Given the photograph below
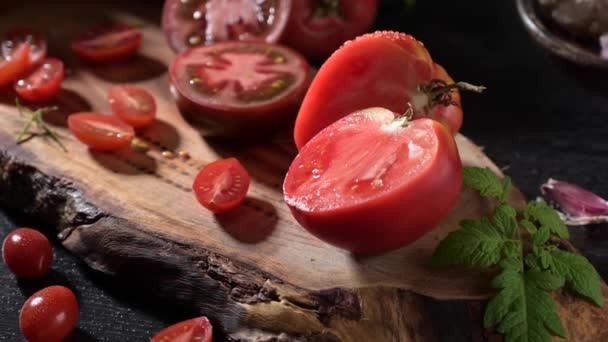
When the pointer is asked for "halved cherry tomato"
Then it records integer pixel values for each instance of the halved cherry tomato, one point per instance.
(14, 61)
(239, 84)
(42, 83)
(222, 185)
(193, 330)
(108, 43)
(27, 253)
(189, 23)
(49, 315)
(36, 39)
(133, 105)
(353, 78)
(100, 132)
(371, 183)
(318, 27)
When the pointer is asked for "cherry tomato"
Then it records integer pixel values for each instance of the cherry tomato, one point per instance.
(318, 27)
(371, 183)
(193, 330)
(42, 83)
(240, 84)
(353, 78)
(189, 23)
(27, 253)
(108, 43)
(49, 315)
(100, 132)
(36, 39)
(222, 185)
(133, 105)
(14, 61)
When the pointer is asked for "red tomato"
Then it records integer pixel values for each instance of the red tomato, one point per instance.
(222, 185)
(49, 315)
(108, 43)
(42, 83)
(133, 105)
(238, 84)
(189, 23)
(14, 61)
(318, 27)
(193, 330)
(36, 39)
(353, 79)
(369, 183)
(100, 132)
(27, 253)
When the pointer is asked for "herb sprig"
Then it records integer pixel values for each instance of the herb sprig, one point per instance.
(36, 117)
(524, 248)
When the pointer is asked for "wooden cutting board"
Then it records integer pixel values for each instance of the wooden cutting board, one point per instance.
(255, 272)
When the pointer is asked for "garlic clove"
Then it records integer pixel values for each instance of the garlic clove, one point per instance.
(579, 206)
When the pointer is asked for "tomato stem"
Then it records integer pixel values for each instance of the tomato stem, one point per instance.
(439, 92)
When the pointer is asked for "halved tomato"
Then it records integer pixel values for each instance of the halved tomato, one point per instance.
(36, 39)
(100, 132)
(193, 330)
(14, 61)
(239, 84)
(42, 83)
(108, 43)
(372, 182)
(133, 105)
(222, 185)
(189, 23)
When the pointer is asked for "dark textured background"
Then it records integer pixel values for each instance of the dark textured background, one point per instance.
(540, 118)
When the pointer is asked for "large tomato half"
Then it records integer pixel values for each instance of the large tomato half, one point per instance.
(371, 183)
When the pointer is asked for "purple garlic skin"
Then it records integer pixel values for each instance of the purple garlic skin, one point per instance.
(579, 206)
(581, 17)
(604, 45)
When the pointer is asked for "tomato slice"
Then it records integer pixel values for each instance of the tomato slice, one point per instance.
(27, 253)
(238, 82)
(189, 23)
(318, 27)
(49, 315)
(36, 39)
(369, 183)
(42, 83)
(133, 105)
(100, 132)
(108, 43)
(14, 61)
(193, 330)
(222, 185)
(353, 79)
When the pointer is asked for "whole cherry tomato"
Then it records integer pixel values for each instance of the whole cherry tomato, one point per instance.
(49, 315)
(193, 330)
(222, 185)
(27, 253)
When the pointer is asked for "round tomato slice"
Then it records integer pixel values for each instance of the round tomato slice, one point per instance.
(42, 83)
(133, 105)
(222, 185)
(36, 39)
(239, 83)
(100, 132)
(353, 79)
(193, 330)
(318, 27)
(14, 61)
(371, 183)
(108, 43)
(189, 23)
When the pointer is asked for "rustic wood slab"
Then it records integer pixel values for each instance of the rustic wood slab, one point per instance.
(256, 272)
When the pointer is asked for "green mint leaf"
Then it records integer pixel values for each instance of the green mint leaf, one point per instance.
(483, 180)
(546, 216)
(529, 226)
(542, 235)
(504, 220)
(506, 185)
(581, 277)
(476, 245)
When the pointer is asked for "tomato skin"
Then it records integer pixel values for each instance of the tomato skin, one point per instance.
(42, 83)
(11, 69)
(27, 253)
(36, 39)
(222, 186)
(49, 315)
(100, 132)
(193, 330)
(395, 216)
(133, 105)
(108, 43)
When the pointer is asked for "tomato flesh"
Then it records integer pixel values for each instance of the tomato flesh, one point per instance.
(42, 83)
(353, 79)
(27, 253)
(35, 39)
(49, 315)
(13, 64)
(368, 184)
(100, 132)
(318, 27)
(193, 330)
(108, 43)
(222, 185)
(133, 105)
(190, 23)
